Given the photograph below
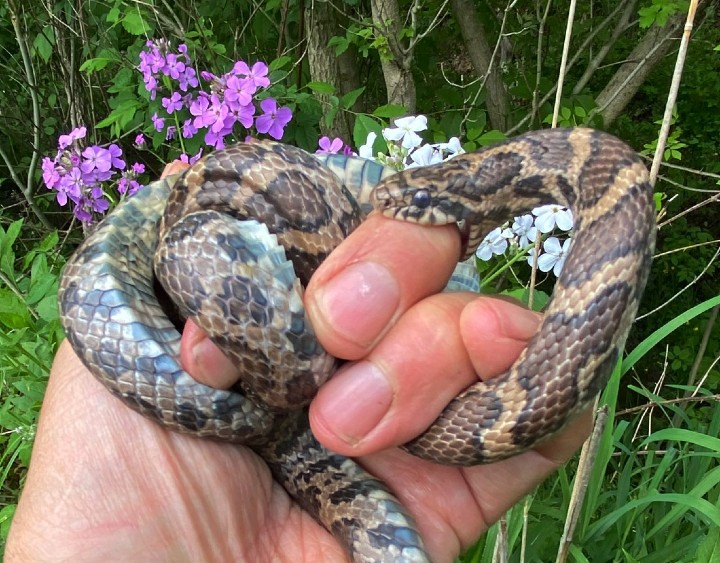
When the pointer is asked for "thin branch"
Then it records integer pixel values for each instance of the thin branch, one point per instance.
(703, 345)
(684, 248)
(28, 189)
(597, 60)
(695, 399)
(563, 62)
(582, 478)
(538, 63)
(711, 199)
(688, 286)
(672, 95)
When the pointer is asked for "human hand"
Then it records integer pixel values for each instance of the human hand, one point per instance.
(106, 483)
(414, 350)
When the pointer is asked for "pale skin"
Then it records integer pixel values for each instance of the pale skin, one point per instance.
(106, 484)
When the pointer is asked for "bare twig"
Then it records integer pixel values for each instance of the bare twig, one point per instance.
(28, 188)
(582, 478)
(672, 95)
(690, 209)
(563, 62)
(692, 399)
(688, 286)
(538, 62)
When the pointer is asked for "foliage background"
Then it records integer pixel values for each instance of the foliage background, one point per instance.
(479, 70)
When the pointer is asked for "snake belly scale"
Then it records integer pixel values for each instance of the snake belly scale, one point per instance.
(255, 220)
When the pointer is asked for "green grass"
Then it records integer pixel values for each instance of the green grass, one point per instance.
(29, 336)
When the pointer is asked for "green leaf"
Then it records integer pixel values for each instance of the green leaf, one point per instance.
(364, 125)
(43, 43)
(349, 99)
(104, 58)
(708, 550)
(120, 116)
(113, 15)
(134, 23)
(684, 435)
(642, 348)
(491, 137)
(7, 255)
(279, 63)
(340, 43)
(390, 111)
(321, 87)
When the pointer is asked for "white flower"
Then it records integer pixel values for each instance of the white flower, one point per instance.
(550, 215)
(366, 151)
(496, 242)
(554, 256)
(406, 128)
(452, 147)
(525, 230)
(424, 156)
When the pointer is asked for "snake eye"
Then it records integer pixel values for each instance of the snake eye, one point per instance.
(421, 199)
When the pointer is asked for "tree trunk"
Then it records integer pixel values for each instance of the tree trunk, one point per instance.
(642, 60)
(321, 23)
(480, 53)
(396, 68)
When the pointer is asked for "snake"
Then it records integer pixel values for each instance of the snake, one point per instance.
(232, 242)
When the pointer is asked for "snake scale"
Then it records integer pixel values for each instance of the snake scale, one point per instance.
(254, 221)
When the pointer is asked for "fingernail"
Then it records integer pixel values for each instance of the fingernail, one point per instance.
(360, 301)
(360, 397)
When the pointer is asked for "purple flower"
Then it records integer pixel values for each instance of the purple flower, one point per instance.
(223, 118)
(245, 115)
(140, 140)
(173, 103)
(239, 91)
(188, 129)
(65, 141)
(191, 160)
(214, 139)
(51, 175)
(188, 79)
(115, 155)
(96, 158)
(200, 108)
(80, 212)
(329, 147)
(128, 186)
(123, 185)
(158, 122)
(173, 67)
(274, 120)
(70, 186)
(98, 201)
(257, 75)
(138, 168)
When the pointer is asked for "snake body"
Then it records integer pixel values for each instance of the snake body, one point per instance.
(258, 218)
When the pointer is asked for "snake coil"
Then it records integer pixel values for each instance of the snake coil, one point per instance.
(237, 236)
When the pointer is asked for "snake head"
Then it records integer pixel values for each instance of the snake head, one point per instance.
(407, 202)
(414, 200)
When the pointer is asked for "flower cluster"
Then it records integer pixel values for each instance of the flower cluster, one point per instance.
(406, 150)
(522, 235)
(76, 175)
(333, 146)
(229, 101)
